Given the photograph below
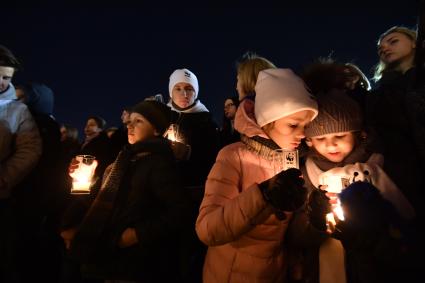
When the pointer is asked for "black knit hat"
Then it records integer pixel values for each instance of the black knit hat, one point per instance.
(157, 113)
(337, 113)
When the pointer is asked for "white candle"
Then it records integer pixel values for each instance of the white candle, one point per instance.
(333, 183)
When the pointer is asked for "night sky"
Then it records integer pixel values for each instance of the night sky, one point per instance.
(99, 58)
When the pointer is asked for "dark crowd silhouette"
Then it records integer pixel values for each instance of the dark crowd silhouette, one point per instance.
(315, 176)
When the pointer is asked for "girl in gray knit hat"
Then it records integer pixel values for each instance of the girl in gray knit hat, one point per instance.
(337, 158)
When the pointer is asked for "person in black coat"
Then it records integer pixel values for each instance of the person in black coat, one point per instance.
(396, 117)
(198, 132)
(195, 125)
(396, 113)
(131, 231)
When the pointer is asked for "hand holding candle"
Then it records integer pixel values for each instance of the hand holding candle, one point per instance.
(334, 184)
(285, 191)
(318, 208)
(173, 133)
(82, 170)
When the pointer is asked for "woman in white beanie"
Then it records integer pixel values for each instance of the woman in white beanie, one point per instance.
(198, 130)
(246, 208)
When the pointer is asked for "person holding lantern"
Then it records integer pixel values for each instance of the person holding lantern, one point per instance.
(131, 230)
(247, 205)
(338, 156)
(195, 125)
(195, 141)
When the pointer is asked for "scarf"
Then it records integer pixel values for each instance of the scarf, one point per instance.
(9, 93)
(316, 164)
(359, 154)
(196, 107)
(261, 146)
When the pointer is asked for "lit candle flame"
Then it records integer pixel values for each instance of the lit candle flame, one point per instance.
(81, 178)
(173, 133)
(330, 218)
(172, 136)
(337, 210)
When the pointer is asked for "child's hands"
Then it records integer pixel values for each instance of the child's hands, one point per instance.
(318, 207)
(73, 165)
(333, 197)
(285, 191)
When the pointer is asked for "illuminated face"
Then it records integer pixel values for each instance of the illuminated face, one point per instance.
(183, 94)
(396, 47)
(287, 132)
(6, 74)
(91, 128)
(139, 129)
(229, 109)
(334, 147)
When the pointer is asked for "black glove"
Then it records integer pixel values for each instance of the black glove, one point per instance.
(285, 191)
(318, 207)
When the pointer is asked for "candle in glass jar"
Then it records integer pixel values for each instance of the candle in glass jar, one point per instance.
(173, 132)
(81, 177)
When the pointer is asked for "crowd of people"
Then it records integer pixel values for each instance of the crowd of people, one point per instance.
(175, 197)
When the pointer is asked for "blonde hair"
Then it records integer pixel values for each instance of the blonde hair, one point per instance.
(381, 67)
(248, 69)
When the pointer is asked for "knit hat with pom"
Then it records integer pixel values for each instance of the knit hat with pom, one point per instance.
(337, 113)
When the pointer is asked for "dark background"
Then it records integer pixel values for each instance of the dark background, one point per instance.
(100, 57)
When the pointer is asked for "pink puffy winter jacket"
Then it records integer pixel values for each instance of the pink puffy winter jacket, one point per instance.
(244, 237)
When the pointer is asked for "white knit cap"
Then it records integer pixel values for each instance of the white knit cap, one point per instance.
(183, 76)
(280, 93)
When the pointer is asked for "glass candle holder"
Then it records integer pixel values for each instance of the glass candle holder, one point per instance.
(82, 176)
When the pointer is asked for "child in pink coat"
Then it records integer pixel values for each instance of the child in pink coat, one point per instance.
(246, 208)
